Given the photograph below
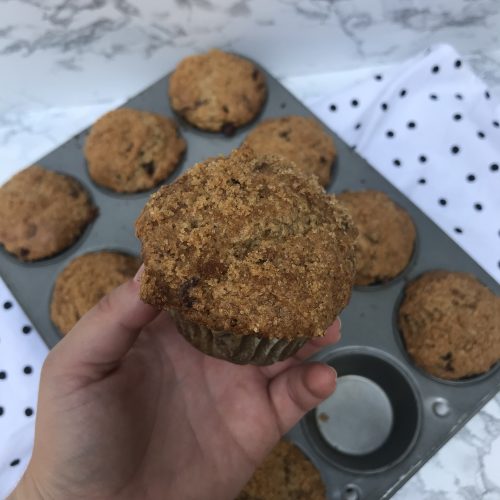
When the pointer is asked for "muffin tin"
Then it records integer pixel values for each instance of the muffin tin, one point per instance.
(424, 411)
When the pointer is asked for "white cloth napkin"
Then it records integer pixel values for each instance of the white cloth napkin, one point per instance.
(431, 127)
(406, 123)
(22, 353)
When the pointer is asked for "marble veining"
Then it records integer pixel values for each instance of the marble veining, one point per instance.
(63, 63)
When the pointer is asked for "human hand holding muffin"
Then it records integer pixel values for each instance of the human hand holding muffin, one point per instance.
(129, 409)
(158, 412)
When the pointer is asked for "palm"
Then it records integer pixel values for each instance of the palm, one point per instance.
(165, 419)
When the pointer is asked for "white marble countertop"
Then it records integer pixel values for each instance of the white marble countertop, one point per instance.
(64, 63)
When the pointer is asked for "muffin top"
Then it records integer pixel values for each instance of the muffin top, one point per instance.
(248, 245)
(386, 236)
(217, 91)
(285, 474)
(129, 150)
(42, 213)
(450, 324)
(299, 139)
(84, 281)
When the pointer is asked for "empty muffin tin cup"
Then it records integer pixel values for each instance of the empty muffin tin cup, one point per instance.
(373, 418)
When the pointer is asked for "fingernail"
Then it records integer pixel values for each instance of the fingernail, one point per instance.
(334, 371)
(340, 323)
(138, 274)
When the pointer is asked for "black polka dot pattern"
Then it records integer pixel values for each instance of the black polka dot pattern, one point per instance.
(22, 353)
(432, 132)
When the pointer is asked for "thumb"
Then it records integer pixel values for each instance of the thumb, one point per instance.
(105, 333)
(298, 390)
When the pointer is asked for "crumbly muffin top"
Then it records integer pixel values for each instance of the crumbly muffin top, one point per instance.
(386, 236)
(42, 213)
(248, 245)
(84, 281)
(217, 91)
(129, 150)
(299, 139)
(450, 323)
(285, 474)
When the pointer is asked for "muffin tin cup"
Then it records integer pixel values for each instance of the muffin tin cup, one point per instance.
(389, 405)
(368, 326)
(241, 349)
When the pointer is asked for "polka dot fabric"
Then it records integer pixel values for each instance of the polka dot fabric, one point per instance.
(22, 353)
(431, 127)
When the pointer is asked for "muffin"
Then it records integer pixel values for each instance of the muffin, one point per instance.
(84, 281)
(450, 324)
(285, 474)
(249, 255)
(386, 237)
(217, 91)
(129, 150)
(299, 139)
(42, 213)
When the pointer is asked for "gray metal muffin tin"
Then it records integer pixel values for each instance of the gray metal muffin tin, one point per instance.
(426, 411)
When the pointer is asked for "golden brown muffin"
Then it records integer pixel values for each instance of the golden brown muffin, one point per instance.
(84, 281)
(249, 254)
(42, 213)
(386, 236)
(129, 150)
(217, 91)
(285, 474)
(300, 139)
(450, 324)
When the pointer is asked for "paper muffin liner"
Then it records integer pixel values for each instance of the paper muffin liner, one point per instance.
(237, 348)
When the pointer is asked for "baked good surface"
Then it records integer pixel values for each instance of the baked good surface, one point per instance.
(450, 324)
(299, 139)
(386, 237)
(128, 150)
(217, 91)
(285, 474)
(248, 245)
(84, 281)
(42, 213)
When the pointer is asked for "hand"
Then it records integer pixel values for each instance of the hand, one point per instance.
(129, 409)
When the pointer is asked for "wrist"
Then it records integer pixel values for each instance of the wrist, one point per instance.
(26, 489)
